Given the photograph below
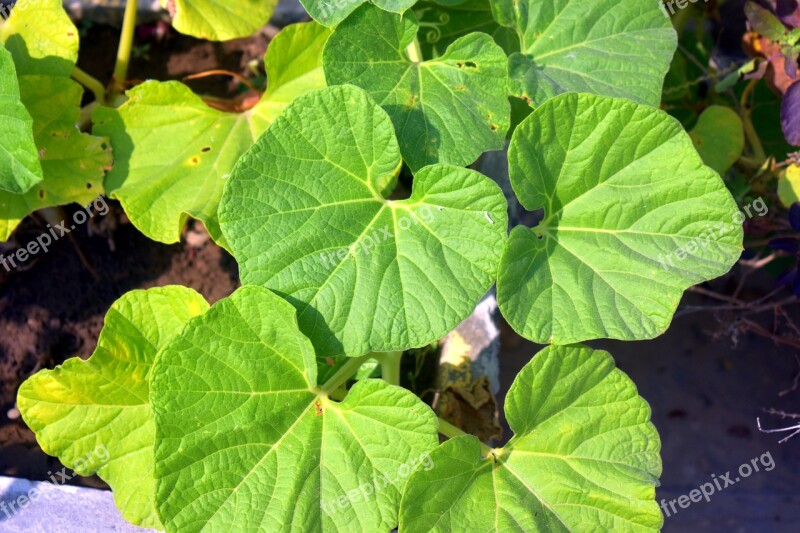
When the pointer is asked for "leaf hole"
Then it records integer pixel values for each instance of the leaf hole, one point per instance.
(206, 149)
(466, 64)
(41, 193)
(88, 185)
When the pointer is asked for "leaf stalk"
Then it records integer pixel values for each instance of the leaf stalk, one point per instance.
(91, 83)
(343, 374)
(125, 47)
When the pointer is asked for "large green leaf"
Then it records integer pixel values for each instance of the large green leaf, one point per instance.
(219, 20)
(95, 415)
(632, 219)
(445, 110)
(19, 159)
(584, 457)
(332, 12)
(44, 45)
(246, 441)
(173, 152)
(305, 213)
(610, 47)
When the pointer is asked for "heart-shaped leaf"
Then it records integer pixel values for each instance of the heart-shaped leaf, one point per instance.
(332, 12)
(446, 110)
(719, 137)
(44, 45)
(305, 213)
(246, 441)
(173, 152)
(632, 218)
(95, 415)
(19, 159)
(584, 454)
(219, 20)
(609, 47)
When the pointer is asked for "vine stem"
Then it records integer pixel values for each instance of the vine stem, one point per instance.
(390, 366)
(125, 47)
(450, 431)
(341, 376)
(91, 83)
(749, 129)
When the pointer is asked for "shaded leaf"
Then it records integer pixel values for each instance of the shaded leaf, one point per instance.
(44, 45)
(719, 137)
(446, 110)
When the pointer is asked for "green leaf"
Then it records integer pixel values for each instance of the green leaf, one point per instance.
(95, 415)
(44, 45)
(446, 110)
(719, 137)
(332, 12)
(789, 185)
(305, 213)
(609, 47)
(19, 159)
(584, 457)
(632, 219)
(441, 25)
(219, 20)
(763, 21)
(173, 152)
(245, 439)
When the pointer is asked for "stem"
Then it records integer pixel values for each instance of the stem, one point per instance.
(90, 83)
(749, 129)
(390, 366)
(125, 47)
(343, 374)
(414, 52)
(450, 431)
